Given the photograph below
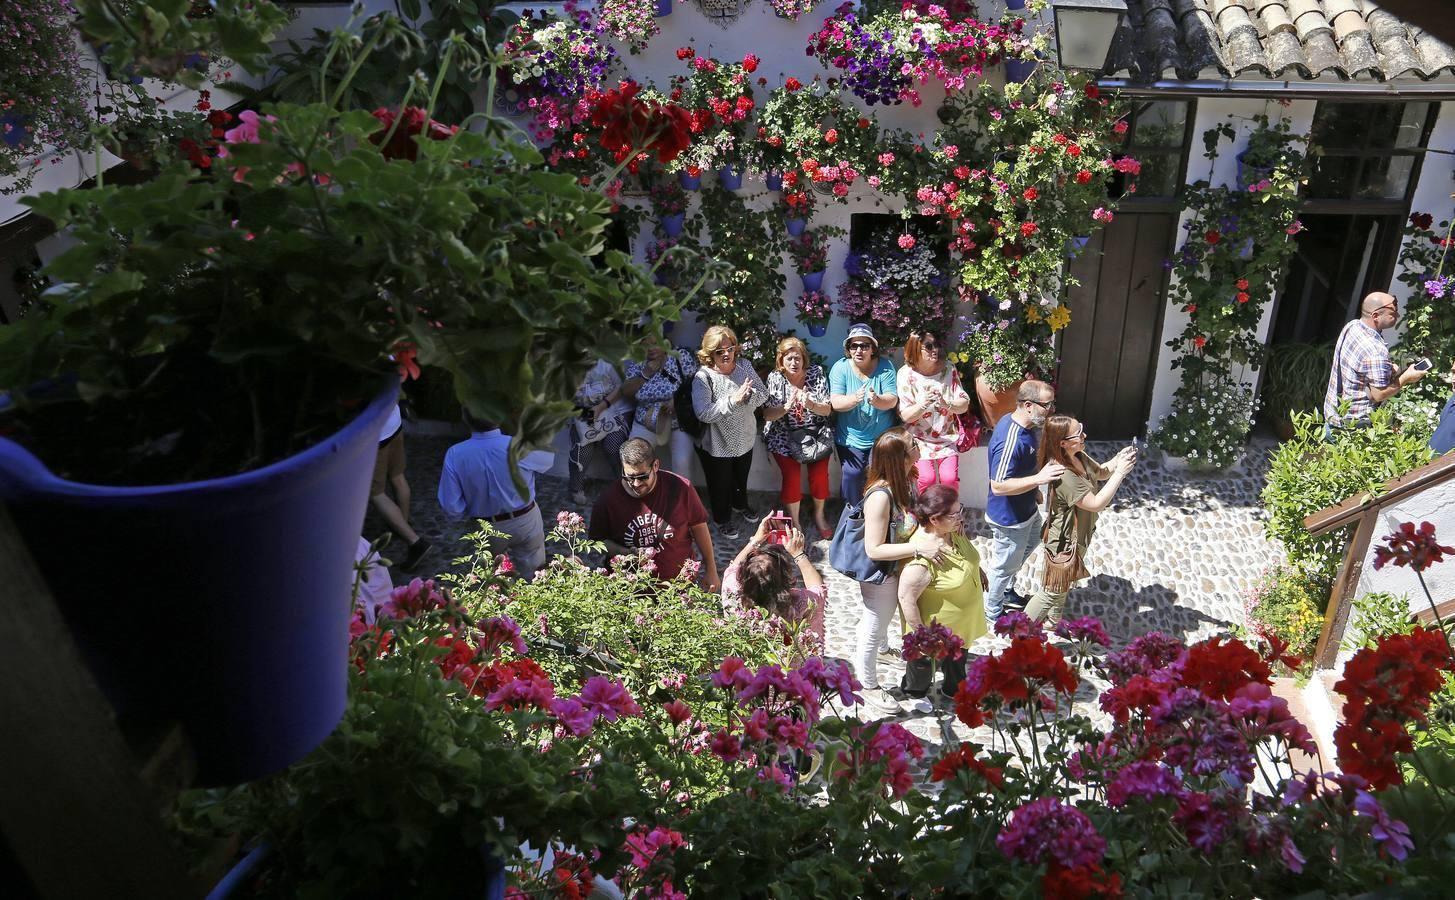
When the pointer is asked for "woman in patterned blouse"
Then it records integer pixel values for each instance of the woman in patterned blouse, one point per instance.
(804, 434)
(930, 399)
(652, 384)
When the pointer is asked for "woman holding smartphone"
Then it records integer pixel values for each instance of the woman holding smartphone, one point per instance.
(725, 391)
(766, 574)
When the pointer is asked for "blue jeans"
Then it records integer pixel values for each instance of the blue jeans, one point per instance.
(852, 466)
(1010, 546)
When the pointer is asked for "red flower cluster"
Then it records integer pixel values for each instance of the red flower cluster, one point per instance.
(1079, 883)
(1422, 220)
(1020, 672)
(1219, 669)
(962, 759)
(1411, 546)
(630, 126)
(413, 120)
(1385, 687)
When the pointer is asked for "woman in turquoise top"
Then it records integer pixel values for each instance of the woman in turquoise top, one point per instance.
(863, 395)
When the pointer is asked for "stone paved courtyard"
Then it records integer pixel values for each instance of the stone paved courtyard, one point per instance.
(1173, 554)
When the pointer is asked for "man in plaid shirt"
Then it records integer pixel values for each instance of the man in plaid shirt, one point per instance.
(1363, 374)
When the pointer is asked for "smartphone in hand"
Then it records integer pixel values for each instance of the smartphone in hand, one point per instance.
(1422, 365)
(779, 527)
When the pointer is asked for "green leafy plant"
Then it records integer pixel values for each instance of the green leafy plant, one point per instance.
(750, 284)
(1295, 377)
(1306, 475)
(221, 323)
(1377, 613)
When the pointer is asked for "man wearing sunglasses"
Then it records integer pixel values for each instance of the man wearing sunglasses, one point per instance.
(1013, 509)
(649, 508)
(1362, 375)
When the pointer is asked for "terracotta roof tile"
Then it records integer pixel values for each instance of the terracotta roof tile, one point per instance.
(1305, 39)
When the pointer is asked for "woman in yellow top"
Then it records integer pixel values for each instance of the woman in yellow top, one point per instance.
(949, 590)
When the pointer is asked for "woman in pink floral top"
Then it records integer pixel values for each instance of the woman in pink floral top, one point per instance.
(762, 576)
(930, 398)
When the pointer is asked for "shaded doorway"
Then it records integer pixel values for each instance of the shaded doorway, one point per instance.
(1109, 351)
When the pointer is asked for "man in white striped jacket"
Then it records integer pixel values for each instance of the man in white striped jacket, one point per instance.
(1013, 509)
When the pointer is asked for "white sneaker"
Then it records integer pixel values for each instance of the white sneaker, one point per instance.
(922, 706)
(878, 704)
(578, 498)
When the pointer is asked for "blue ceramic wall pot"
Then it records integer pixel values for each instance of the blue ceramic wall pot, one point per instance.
(690, 182)
(729, 179)
(812, 281)
(220, 604)
(795, 226)
(672, 225)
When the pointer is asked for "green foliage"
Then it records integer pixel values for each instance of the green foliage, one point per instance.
(1285, 602)
(157, 37)
(660, 638)
(1307, 475)
(1429, 315)
(747, 246)
(1377, 613)
(1295, 377)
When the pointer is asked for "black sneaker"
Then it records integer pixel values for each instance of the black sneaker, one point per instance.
(749, 515)
(416, 552)
(1014, 602)
(729, 530)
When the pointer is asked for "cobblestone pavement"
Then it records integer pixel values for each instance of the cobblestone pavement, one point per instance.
(1174, 553)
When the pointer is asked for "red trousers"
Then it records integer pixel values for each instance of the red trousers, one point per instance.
(792, 489)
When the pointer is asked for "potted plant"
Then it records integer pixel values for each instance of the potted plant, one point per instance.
(814, 310)
(224, 341)
(809, 252)
(42, 101)
(669, 203)
(896, 284)
(631, 22)
(719, 95)
(795, 204)
(1205, 432)
(1295, 377)
(1000, 346)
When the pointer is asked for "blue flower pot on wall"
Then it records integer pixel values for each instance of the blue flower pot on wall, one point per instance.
(15, 129)
(796, 226)
(1015, 4)
(774, 181)
(729, 179)
(1076, 245)
(672, 225)
(664, 8)
(812, 281)
(220, 604)
(1019, 70)
(690, 182)
(818, 329)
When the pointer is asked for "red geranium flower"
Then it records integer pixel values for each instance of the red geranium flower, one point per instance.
(792, 84)
(1199, 342)
(1083, 177)
(1242, 284)
(404, 355)
(1219, 669)
(1212, 237)
(750, 63)
(1385, 687)
(1411, 546)
(630, 126)
(963, 757)
(1080, 883)
(832, 135)
(412, 121)
(1031, 193)
(685, 53)
(1242, 296)
(1422, 220)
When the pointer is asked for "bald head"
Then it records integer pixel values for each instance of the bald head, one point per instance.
(1380, 310)
(1374, 301)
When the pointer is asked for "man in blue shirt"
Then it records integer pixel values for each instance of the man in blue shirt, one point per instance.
(1013, 508)
(475, 482)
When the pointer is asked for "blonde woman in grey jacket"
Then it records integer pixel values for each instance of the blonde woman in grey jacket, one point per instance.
(725, 392)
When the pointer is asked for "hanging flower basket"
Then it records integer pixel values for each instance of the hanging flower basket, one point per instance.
(690, 182)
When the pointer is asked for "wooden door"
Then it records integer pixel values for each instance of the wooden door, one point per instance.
(1109, 351)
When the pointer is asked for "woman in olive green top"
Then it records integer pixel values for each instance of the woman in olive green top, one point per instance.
(1074, 501)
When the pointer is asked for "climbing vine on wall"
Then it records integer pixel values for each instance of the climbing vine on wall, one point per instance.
(1228, 267)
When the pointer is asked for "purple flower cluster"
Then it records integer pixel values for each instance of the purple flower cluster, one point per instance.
(873, 68)
(932, 641)
(1050, 830)
(41, 101)
(1086, 628)
(1438, 287)
(1148, 653)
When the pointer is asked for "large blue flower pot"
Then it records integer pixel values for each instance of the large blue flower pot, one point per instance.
(795, 226)
(729, 179)
(1015, 4)
(1019, 70)
(812, 281)
(690, 182)
(664, 8)
(774, 181)
(672, 225)
(219, 604)
(816, 329)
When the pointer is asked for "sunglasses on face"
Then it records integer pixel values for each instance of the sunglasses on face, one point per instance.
(636, 478)
(930, 348)
(1048, 406)
(1080, 435)
(860, 346)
